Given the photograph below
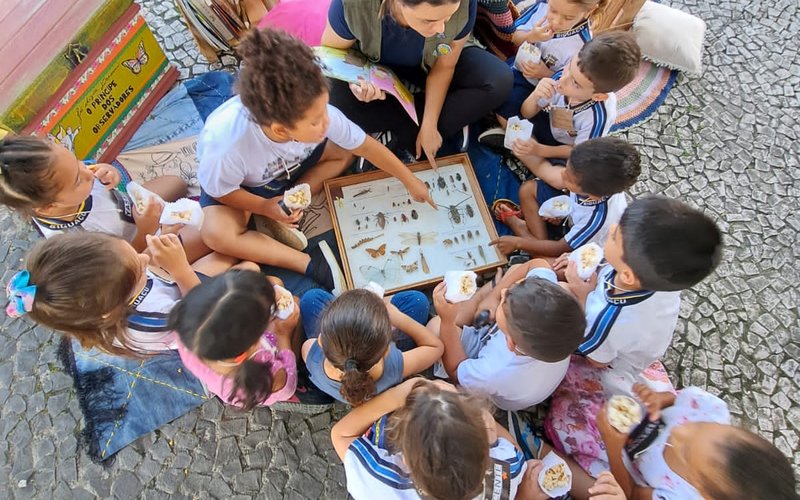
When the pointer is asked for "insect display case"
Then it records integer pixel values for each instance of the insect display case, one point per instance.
(386, 237)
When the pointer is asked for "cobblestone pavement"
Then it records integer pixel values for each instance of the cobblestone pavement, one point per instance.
(726, 142)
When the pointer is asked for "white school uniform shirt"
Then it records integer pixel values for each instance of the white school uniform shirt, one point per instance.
(373, 471)
(104, 211)
(590, 119)
(233, 150)
(149, 311)
(557, 51)
(512, 381)
(629, 330)
(592, 219)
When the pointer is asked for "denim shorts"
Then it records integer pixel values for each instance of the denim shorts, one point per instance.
(276, 186)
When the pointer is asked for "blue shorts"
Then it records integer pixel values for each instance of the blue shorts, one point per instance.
(276, 186)
(545, 191)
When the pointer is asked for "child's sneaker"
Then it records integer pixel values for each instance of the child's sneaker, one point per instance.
(517, 167)
(493, 138)
(325, 270)
(279, 231)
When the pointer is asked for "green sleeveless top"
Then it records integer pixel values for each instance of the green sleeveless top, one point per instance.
(364, 20)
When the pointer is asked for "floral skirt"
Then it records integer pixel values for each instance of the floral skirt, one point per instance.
(571, 423)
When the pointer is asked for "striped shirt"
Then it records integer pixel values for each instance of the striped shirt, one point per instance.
(590, 119)
(629, 330)
(373, 471)
(149, 311)
(592, 219)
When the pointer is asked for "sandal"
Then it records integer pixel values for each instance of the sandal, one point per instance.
(504, 208)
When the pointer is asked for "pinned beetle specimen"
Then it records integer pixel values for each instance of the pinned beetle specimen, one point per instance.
(447, 243)
(441, 182)
(458, 176)
(470, 211)
(453, 212)
(403, 217)
(483, 255)
(414, 215)
(381, 218)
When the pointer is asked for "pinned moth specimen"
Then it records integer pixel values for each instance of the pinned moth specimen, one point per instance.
(400, 253)
(376, 252)
(410, 268)
(447, 243)
(470, 211)
(363, 241)
(414, 215)
(418, 238)
(381, 218)
(362, 192)
(425, 268)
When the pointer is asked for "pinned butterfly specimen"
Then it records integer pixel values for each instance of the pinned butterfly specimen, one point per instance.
(389, 273)
(410, 268)
(376, 252)
(400, 253)
(135, 65)
(418, 238)
(362, 241)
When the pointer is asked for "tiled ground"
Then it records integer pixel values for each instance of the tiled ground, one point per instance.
(726, 142)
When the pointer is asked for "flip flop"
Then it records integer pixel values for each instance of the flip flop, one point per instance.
(501, 213)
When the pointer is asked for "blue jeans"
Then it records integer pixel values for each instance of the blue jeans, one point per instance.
(411, 303)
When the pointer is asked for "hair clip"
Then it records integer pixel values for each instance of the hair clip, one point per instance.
(20, 294)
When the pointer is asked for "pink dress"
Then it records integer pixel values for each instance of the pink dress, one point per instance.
(571, 422)
(222, 386)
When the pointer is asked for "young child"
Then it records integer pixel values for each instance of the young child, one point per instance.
(61, 193)
(230, 339)
(578, 103)
(280, 131)
(429, 441)
(659, 247)
(538, 325)
(350, 353)
(95, 287)
(692, 451)
(597, 174)
(557, 29)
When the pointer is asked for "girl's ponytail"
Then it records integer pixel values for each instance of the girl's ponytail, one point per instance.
(252, 384)
(357, 386)
(355, 334)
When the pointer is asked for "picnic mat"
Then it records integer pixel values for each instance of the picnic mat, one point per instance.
(124, 398)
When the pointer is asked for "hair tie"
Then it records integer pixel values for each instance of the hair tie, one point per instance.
(241, 358)
(20, 294)
(350, 364)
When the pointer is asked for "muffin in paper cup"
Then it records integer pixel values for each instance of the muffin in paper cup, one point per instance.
(587, 258)
(298, 197)
(375, 288)
(517, 128)
(141, 196)
(183, 211)
(461, 285)
(624, 413)
(284, 302)
(555, 478)
(556, 207)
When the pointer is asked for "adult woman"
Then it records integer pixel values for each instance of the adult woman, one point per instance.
(423, 42)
